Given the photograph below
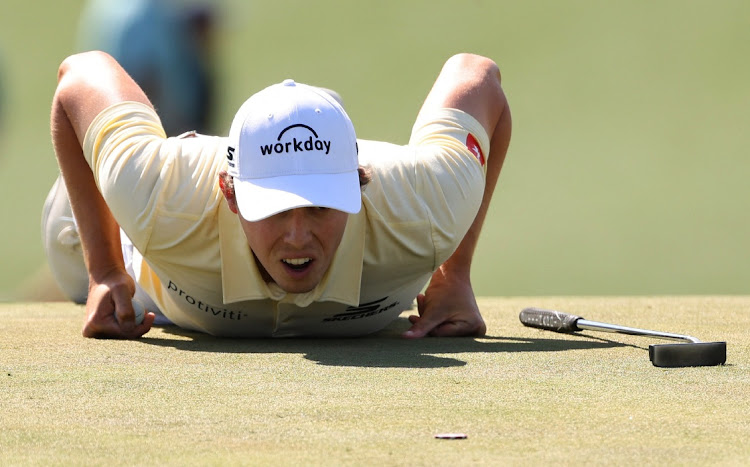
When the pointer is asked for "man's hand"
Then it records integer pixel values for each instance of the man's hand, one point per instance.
(109, 309)
(448, 308)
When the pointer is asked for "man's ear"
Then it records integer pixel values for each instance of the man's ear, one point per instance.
(226, 184)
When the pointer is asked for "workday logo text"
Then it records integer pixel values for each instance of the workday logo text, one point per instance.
(303, 141)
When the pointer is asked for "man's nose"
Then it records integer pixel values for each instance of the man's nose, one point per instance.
(298, 228)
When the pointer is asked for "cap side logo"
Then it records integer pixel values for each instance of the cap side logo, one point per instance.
(230, 156)
(473, 145)
(296, 145)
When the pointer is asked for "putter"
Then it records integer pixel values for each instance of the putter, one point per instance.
(692, 352)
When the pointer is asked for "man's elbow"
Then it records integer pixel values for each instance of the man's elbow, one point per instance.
(481, 67)
(81, 61)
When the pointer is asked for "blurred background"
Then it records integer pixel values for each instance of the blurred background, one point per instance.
(627, 171)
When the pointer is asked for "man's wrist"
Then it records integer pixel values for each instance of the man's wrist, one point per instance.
(102, 271)
(453, 271)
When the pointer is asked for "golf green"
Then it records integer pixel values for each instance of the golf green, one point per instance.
(521, 396)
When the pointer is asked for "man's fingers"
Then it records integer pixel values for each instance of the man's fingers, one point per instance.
(447, 330)
(417, 330)
(414, 332)
(461, 328)
(113, 330)
(458, 329)
(129, 330)
(119, 323)
(144, 327)
(420, 303)
(451, 322)
(100, 330)
(124, 312)
(421, 327)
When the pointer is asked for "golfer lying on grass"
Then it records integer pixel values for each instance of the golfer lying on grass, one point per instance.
(290, 226)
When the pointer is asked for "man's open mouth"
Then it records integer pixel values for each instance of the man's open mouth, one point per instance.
(298, 264)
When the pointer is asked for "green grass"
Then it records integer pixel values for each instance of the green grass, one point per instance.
(626, 173)
(522, 396)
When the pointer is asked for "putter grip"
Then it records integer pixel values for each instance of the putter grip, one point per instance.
(549, 319)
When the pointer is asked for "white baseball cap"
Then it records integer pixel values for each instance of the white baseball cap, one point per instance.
(292, 145)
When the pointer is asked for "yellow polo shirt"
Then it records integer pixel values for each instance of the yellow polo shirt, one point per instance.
(196, 264)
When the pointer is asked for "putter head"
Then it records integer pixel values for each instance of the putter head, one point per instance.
(688, 354)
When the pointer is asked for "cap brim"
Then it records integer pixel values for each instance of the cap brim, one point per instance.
(264, 197)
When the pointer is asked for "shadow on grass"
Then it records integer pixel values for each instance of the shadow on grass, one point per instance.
(385, 349)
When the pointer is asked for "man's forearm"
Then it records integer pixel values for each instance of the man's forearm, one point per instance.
(98, 230)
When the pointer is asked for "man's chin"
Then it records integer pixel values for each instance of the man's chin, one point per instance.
(298, 289)
(297, 281)
(291, 286)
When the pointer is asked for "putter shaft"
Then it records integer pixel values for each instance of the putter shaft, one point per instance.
(597, 326)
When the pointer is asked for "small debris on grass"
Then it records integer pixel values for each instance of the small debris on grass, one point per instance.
(450, 436)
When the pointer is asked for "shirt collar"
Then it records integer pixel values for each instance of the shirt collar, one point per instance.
(242, 280)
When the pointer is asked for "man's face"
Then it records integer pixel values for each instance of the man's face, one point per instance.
(295, 248)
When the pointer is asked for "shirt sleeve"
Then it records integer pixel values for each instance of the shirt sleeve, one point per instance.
(149, 180)
(424, 196)
(450, 172)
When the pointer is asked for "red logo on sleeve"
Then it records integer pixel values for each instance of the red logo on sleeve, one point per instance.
(473, 145)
